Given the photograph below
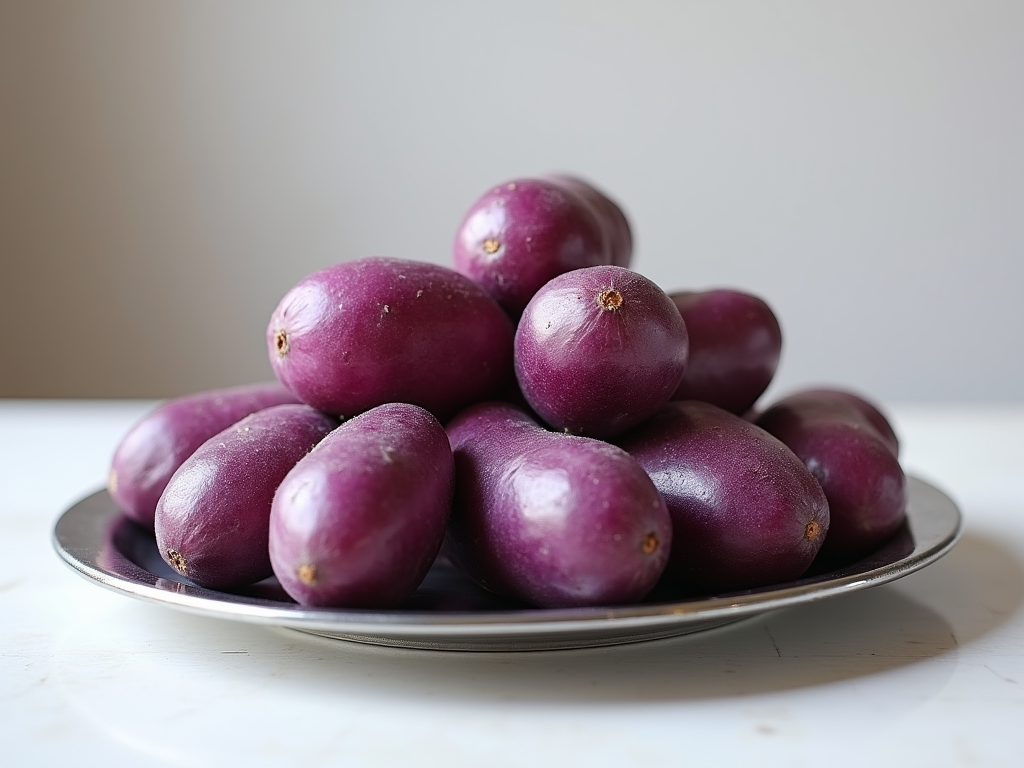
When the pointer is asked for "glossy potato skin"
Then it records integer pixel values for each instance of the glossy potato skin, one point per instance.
(520, 234)
(613, 221)
(848, 405)
(552, 519)
(594, 368)
(154, 448)
(359, 521)
(745, 511)
(381, 330)
(735, 345)
(855, 464)
(215, 511)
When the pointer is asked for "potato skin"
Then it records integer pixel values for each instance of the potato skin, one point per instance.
(850, 406)
(359, 521)
(159, 443)
(552, 519)
(520, 234)
(212, 522)
(378, 330)
(745, 511)
(735, 345)
(598, 350)
(613, 221)
(853, 461)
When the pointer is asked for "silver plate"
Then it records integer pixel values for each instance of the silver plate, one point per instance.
(449, 612)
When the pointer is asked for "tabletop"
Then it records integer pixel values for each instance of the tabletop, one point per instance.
(927, 670)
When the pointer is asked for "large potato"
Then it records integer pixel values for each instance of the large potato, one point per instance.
(213, 520)
(553, 519)
(745, 511)
(359, 521)
(381, 330)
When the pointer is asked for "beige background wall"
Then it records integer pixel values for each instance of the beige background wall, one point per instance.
(169, 169)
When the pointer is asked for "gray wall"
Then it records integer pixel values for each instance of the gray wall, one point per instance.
(169, 170)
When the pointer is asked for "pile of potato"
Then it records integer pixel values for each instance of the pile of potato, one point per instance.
(568, 432)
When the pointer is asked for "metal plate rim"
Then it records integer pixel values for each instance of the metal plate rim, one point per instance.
(934, 519)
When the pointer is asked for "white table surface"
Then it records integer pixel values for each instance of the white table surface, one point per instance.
(928, 670)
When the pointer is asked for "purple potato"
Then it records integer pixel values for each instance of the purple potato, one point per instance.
(213, 519)
(745, 511)
(156, 446)
(359, 521)
(855, 465)
(552, 519)
(853, 407)
(598, 350)
(613, 220)
(735, 344)
(521, 234)
(380, 330)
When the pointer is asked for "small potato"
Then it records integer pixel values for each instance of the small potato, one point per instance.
(159, 443)
(552, 519)
(745, 511)
(735, 344)
(380, 330)
(359, 521)
(213, 520)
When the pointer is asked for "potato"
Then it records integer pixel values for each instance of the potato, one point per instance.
(381, 330)
(552, 519)
(359, 521)
(521, 234)
(213, 520)
(735, 344)
(599, 350)
(745, 511)
(159, 443)
(613, 221)
(854, 462)
(849, 406)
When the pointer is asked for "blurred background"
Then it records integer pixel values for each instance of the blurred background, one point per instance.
(169, 169)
